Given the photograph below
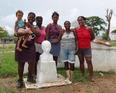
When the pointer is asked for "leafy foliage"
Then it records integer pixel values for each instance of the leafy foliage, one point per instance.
(104, 36)
(96, 23)
(114, 31)
(3, 32)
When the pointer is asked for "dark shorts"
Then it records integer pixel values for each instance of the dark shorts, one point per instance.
(85, 52)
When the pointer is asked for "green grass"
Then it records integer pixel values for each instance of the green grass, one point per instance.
(77, 75)
(6, 90)
(8, 66)
(7, 47)
(113, 43)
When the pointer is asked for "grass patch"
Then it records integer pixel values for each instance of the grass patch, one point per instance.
(7, 47)
(113, 43)
(8, 66)
(6, 90)
(76, 76)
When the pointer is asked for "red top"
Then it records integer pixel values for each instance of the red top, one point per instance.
(83, 37)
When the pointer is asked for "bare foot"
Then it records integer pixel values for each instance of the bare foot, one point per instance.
(91, 79)
(19, 49)
(24, 46)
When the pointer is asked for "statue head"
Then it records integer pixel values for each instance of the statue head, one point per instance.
(46, 46)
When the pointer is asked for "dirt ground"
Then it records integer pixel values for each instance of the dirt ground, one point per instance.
(105, 84)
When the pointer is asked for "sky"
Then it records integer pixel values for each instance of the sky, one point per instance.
(67, 9)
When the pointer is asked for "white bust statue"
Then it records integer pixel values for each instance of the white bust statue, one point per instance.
(46, 56)
(46, 67)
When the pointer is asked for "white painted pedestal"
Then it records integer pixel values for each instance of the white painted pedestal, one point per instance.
(46, 72)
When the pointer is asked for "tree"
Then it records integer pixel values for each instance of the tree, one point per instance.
(109, 13)
(96, 23)
(3, 32)
(113, 31)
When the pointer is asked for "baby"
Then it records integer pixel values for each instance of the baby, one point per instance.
(21, 26)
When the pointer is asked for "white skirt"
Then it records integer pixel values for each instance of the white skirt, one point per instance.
(38, 48)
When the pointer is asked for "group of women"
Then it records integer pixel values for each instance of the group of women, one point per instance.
(65, 43)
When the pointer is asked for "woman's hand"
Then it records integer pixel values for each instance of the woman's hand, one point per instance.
(28, 24)
(15, 34)
(76, 51)
(54, 41)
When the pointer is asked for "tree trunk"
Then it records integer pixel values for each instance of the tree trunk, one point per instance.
(108, 31)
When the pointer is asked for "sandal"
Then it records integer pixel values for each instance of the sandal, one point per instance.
(20, 84)
(31, 80)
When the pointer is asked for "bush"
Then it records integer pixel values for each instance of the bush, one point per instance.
(114, 31)
(104, 36)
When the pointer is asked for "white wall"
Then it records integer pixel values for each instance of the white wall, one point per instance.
(113, 36)
(103, 58)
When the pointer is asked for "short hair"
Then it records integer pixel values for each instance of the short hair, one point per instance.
(19, 11)
(67, 21)
(84, 18)
(55, 13)
(31, 13)
(39, 17)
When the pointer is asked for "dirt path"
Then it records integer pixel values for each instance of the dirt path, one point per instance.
(105, 84)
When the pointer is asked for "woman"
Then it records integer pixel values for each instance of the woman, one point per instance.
(27, 54)
(84, 36)
(39, 39)
(53, 35)
(68, 46)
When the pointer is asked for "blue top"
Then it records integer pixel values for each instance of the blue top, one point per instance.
(20, 24)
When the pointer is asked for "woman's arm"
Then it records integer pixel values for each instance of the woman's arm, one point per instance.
(92, 34)
(61, 31)
(47, 32)
(75, 34)
(32, 29)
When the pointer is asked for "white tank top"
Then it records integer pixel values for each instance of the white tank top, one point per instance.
(68, 40)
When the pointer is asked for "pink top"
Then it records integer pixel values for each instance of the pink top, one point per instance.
(39, 39)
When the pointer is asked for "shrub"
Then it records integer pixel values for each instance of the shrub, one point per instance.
(114, 31)
(104, 36)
